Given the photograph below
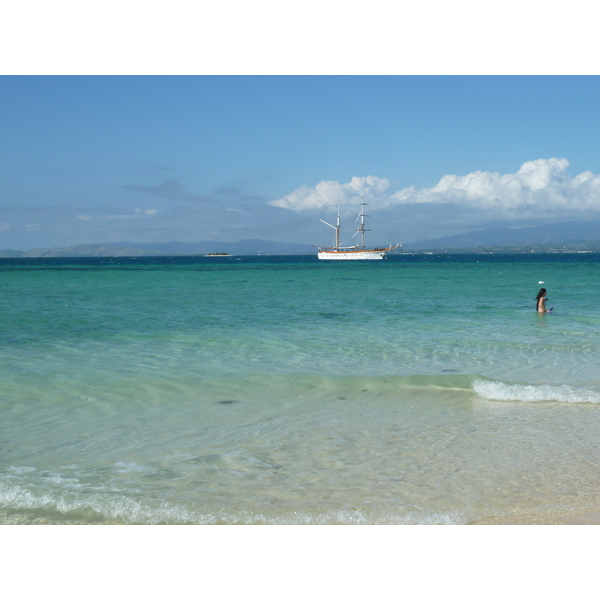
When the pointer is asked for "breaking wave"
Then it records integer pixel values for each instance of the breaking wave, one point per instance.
(18, 505)
(497, 390)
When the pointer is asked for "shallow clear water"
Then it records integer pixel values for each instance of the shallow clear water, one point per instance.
(422, 389)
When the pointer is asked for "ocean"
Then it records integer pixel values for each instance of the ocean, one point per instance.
(422, 389)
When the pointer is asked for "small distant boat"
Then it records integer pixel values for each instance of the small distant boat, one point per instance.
(218, 254)
(358, 251)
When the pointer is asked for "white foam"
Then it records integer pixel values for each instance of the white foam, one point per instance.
(496, 390)
(344, 517)
(133, 467)
(21, 470)
(120, 509)
(112, 508)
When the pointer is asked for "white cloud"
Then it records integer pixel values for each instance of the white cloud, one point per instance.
(84, 217)
(539, 185)
(329, 193)
(542, 184)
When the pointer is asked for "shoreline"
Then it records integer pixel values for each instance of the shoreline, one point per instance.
(591, 517)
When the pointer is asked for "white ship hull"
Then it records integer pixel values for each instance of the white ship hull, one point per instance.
(352, 255)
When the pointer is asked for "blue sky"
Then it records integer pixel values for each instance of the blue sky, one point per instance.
(87, 159)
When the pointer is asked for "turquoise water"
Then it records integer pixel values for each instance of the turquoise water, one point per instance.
(421, 389)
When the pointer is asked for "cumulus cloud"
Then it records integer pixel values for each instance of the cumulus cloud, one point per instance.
(540, 185)
(327, 194)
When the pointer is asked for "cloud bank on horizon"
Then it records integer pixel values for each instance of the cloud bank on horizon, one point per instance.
(540, 192)
(541, 185)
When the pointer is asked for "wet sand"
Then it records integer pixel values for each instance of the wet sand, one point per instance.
(584, 518)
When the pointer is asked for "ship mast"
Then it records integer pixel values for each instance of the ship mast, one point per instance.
(337, 228)
(361, 228)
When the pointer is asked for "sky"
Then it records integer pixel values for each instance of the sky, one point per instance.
(94, 158)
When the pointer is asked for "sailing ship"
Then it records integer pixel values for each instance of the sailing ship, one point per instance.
(358, 251)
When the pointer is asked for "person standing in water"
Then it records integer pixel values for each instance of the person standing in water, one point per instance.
(541, 301)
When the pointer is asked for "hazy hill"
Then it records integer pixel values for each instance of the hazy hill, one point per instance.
(10, 253)
(243, 247)
(568, 233)
(573, 233)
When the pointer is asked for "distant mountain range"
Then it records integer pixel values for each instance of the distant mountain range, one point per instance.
(568, 235)
(241, 248)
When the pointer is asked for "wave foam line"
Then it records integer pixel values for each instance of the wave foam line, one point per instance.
(127, 510)
(496, 390)
(116, 508)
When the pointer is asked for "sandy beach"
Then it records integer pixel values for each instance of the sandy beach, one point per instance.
(582, 518)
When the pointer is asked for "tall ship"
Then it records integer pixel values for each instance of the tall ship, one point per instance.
(358, 251)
